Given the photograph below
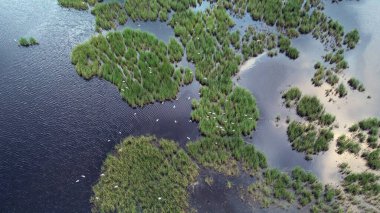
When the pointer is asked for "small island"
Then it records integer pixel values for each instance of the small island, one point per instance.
(27, 42)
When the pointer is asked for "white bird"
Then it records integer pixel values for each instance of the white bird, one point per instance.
(188, 98)
(83, 176)
(188, 138)
(190, 121)
(134, 113)
(174, 107)
(119, 132)
(77, 181)
(102, 174)
(108, 140)
(159, 198)
(175, 121)
(116, 187)
(157, 120)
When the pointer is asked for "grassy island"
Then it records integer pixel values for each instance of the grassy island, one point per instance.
(77, 4)
(136, 62)
(315, 134)
(143, 69)
(27, 42)
(145, 173)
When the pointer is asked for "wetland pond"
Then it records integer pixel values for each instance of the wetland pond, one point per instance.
(57, 128)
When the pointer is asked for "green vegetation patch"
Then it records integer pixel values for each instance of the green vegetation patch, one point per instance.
(299, 187)
(234, 114)
(362, 183)
(109, 15)
(27, 42)
(77, 4)
(308, 138)
(225, 153)
(355, 84)
(344, 143)
(155, 9)
(310, 107)
(292, 96)
(144, 173)
(352, 38)
(135, 61)
(373, 159)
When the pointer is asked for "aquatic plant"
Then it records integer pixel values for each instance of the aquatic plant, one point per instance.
(297, 187)
(292, 96)
(77, 4)
(344, 143)
(27, 42)
(225, 153)
(351, 39)
(364, 183)
(109, 15)
(356, 84)
(327, 119)
(373, 159)
(175, 50)
(308, 138)
(310, 107)
(144, 173)
(341, 90)
(134, 61)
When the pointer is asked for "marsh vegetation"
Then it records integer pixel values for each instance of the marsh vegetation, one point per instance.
(144, 173)
(136, 62)
(142, 67)
(366, 130)
(315, 133)
(27, 42)
(77, 4)
(298, 188)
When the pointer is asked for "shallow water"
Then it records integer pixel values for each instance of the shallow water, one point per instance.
(267, 77)
(55, 126)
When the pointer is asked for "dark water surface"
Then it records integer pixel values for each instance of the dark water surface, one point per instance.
(55, 126)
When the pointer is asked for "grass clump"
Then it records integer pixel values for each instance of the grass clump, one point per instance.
(134, 61)
(224, 154)
(109, 15)
(27, 42)
(309, 139)
(299, 187)
(77, 4)
(341, 90)
(292, 96)
(373, 159)
(175, 50)
(234, 114)
(364, 183)
(352, 38)
(145, 174)
(310, 107)
(344, 143)
(355, 84)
